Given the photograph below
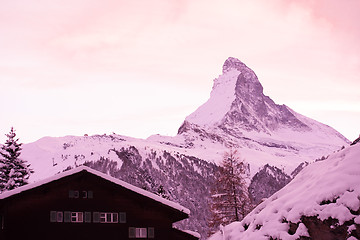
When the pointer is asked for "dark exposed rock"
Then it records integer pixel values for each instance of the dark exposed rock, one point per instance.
(356, 141)
(232, 63)
(266, 182)
(298, 169)
(330, 229)
(251, 109)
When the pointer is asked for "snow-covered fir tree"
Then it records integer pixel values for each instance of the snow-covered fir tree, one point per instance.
(229, 196)
(14, 172)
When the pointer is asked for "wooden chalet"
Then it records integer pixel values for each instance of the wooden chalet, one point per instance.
(85, 204)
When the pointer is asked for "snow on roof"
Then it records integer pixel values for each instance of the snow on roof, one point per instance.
(328, 188)
(192, 233)
(102, 175)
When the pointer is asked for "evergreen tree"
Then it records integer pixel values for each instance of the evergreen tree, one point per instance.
(229, 196)
(14, 172)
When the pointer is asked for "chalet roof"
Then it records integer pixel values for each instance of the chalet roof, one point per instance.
(102, 175)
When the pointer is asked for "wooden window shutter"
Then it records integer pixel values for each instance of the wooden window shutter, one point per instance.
(59, 216)
(1, 222)
(90, 194)
(96, 217)
(53, 216)
(88, 217)
(71, 194)
(67, 216)
(122, 217)
(151, 232)
(76, 194)
(132, 232)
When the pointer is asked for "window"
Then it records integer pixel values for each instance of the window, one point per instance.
(77, 217)
(137, 232)
(87, 217)
(102, 217)
(81, 194)
(114, 217)
(141, 232)
(73, 194)
(109, 217)
(52, 216)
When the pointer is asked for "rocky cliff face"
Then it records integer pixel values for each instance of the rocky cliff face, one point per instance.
(247, 108)
(251, 109)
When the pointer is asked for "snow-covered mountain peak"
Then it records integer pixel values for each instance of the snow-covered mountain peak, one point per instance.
(237, 102)
(247, 83)
(238, 114)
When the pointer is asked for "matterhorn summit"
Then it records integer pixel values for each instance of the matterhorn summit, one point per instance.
(237, 101)
(239, 115)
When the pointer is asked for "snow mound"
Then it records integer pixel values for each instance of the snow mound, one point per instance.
(326, 191)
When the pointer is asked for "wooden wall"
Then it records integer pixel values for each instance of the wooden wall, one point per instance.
(29, 213)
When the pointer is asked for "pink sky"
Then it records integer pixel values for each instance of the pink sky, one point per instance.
(139, 67)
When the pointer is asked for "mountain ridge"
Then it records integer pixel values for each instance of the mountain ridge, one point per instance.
(237, 115)
(237, 100)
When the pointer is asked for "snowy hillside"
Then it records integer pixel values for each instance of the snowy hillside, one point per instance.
(161, 169)
(322, 202)
(273, 139)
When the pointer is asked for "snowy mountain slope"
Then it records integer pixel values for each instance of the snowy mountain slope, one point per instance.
(160, 169)
(322, 202)
(237, 115)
